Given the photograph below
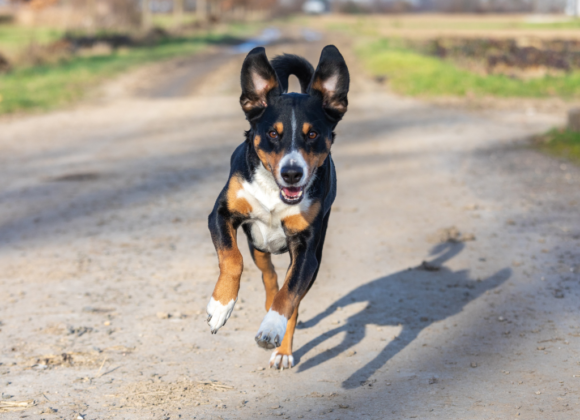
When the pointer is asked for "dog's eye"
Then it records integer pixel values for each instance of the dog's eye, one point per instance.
(312, 135)
(273, 134)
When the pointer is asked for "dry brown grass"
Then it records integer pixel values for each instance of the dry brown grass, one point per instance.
(12, 406)
(183, 392)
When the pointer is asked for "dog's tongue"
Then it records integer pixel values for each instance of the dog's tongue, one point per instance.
(292, 192)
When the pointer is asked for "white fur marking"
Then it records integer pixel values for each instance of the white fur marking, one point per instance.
(219, 313)
(268, 210)
(272, 330)
(330, 84)
(260, 84)
(293, 121)
(293, 158)
(281, 361)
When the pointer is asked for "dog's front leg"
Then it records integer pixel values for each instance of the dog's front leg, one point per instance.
(303, 266)
(225, 294)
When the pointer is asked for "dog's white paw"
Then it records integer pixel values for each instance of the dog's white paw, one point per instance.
(272, 330)
(218, 314)
(281, 361)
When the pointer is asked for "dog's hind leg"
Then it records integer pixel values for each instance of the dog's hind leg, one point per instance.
(263, 261)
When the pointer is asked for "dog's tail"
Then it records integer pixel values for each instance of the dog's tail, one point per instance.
(288, 64)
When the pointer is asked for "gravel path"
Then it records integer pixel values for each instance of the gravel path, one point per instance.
(106, 265)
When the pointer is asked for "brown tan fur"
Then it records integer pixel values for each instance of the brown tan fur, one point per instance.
(237, 204)
(286, 346)
(314, 160)
(279, 127)
(248, 105)
(230, 260)
(284, 301)
(270, 161)
(231, 266)
(263, 261)
(298, 222)
(329, 99)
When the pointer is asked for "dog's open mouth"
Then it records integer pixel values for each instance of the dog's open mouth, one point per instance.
(291, 195)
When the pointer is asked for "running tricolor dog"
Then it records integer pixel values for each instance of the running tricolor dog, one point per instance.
(281, 187)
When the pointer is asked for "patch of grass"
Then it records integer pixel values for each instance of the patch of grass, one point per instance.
(568, 24)
(48, 86)
(412, 73)
(561, 143)
(15, 37)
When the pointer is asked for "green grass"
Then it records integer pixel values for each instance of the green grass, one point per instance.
(415, 74)
(14, 37)
(561, 143)
(48, 86)
(568, 24)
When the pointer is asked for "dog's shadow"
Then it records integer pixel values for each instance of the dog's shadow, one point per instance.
(411, 299)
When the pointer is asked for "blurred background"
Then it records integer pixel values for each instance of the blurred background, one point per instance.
(52, 52)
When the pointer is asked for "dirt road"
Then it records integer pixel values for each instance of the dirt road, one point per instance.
(106, 265)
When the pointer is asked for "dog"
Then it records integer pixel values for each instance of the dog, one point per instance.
(281, 187)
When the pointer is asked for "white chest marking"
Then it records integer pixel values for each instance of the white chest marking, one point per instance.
(268, 211)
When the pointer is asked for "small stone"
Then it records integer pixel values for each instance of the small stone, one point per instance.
(350, 353)
(558, 294)
(261, 368)
(432, 380)
(163, 315)
(500, 318)
(538, 392)
(343, 406)
(80, 417)
(107, 323)
(541, 348)
(473, 365)
(49, 410)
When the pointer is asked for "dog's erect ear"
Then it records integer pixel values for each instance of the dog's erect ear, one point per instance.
(330, 82)
(259, 82)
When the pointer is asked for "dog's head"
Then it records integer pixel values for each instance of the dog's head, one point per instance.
(292, 132)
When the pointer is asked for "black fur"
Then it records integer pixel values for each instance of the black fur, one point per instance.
(287, 64)
(318, 110)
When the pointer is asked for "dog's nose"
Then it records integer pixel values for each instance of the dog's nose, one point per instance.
(292, 174)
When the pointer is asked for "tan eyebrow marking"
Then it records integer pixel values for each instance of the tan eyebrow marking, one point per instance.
(306, 127)
(279, 127)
